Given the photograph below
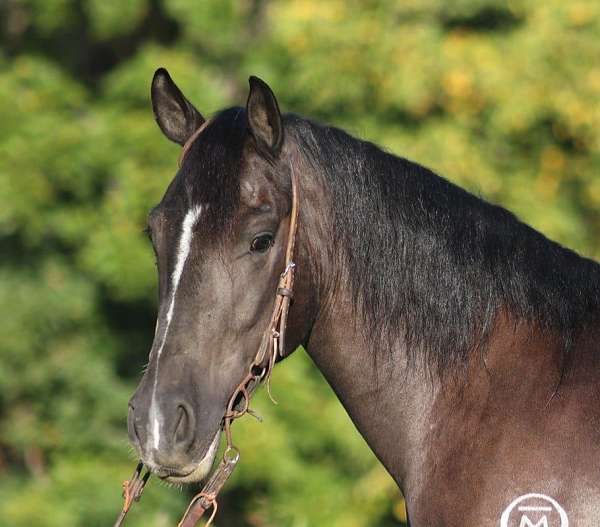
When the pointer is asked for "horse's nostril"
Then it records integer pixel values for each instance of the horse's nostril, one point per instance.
(135, 431)
(134, 435)
(184, 426)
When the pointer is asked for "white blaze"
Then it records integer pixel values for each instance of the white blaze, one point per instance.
(183, 251)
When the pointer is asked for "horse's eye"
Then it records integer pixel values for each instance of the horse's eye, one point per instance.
(262, 243)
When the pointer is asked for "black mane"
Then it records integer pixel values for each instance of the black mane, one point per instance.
(432, 263)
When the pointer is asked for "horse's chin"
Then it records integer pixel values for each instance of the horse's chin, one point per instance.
(202, 468)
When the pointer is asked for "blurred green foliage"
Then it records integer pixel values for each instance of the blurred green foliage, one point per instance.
(503, 97)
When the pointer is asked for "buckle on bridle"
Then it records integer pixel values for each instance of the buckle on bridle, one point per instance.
(287, 269)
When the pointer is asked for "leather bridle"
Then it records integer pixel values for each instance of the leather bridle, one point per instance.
(272, 345)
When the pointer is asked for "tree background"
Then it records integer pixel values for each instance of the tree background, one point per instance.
(502, 97)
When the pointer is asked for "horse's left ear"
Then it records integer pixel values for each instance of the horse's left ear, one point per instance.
(264, 118)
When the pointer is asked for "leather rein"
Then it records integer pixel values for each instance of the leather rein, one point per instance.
(259, 371)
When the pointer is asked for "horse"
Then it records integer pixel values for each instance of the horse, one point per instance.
(462, 343)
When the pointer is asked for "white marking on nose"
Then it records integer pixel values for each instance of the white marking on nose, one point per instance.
(155, 423)
(183, 251)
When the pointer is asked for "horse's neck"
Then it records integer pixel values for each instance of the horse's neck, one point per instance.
(400, 410)
(434, 434)
(387, 403)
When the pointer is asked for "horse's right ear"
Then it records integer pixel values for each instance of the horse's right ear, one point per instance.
(176, 116)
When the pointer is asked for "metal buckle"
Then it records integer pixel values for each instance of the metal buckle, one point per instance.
(287, 269)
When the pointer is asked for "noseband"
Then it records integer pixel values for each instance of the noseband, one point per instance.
(272, 345)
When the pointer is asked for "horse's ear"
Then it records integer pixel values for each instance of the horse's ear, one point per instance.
(264, 118)
(176, 116)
